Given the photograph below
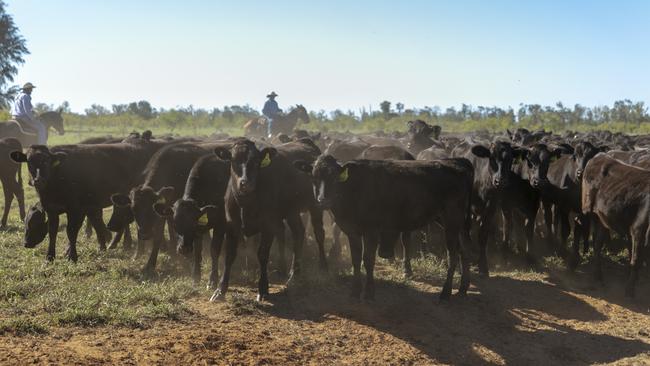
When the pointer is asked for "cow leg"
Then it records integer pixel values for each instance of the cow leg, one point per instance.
(529, 231)
(53, 229)
(19, 192)
(579, 233)
(281, 238)
(128, 241)
(640, 234)
(298, 235)
(89, 229)
(232, 239)
(485, 227)
(507, 231)
(150, 267)
(452, 236)
(96, 220)
(564, 234)
(599, 238)
(116, 239)
(370, 242)
(547, 208)
(586, 229)
(215, 251)
(316, 216)
(263, 260)
(465, 240)
(75, 221)
(197, 258)
(336, 249)
(9, 197)
(406, 245)
(355, 254)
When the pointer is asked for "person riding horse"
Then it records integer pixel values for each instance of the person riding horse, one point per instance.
(271, 111)
(24, 113)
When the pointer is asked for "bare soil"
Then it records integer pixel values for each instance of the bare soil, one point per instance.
(516, 318)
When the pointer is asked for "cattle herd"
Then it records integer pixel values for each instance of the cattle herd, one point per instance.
(478, 190)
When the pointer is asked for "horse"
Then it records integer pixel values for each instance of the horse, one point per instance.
(27, 138)
(257, 127)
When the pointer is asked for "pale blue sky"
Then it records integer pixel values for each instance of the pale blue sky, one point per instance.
(335, 54)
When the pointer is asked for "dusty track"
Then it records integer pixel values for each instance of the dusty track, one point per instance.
(514, 318)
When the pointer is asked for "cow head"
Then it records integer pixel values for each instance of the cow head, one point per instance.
(583, 152)
(327, 178)
(539, 158)
(41, 162)
(188, 219)
(420, 135)
(246, 162)
(501, 156)
(122, 213)
(35, 226)
(141, 201)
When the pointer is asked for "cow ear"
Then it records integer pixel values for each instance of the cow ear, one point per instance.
(120, 200)
(147, 135)
(604, 148)
(166, 195)
(509, 133)
(163, 210)
(304, 166)
(481, 151)
(565, 148)
(223, 153)
(58, 158)
(18, 156)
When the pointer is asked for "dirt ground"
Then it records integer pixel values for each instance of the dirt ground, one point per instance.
(517, 318)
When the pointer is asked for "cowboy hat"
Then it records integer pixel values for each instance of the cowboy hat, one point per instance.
(272, 95)
(28, 86)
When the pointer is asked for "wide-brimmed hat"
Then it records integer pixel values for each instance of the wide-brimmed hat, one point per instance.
(28, 86)
(272, 95)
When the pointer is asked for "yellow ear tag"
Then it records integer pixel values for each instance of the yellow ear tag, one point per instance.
(56, 163)
(343, 177)
(203, 220)
(161, 200)
(266, 161)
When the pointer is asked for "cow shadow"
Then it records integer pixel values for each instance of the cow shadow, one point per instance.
(516, 321)
(611, 289)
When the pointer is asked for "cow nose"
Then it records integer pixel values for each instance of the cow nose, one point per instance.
(579, 173)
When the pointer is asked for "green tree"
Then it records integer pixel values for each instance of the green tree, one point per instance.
(385, 109)
(12, 50)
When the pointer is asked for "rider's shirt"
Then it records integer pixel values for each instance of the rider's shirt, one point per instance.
(271, 108)
(23, 107)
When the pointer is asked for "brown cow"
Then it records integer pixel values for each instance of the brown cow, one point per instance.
(617, 196)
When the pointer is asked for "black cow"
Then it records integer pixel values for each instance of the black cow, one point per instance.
(367, 197)
(561, 193)
(11, 178)
(391, 152)
(199, 210)
(617, 196)
(78, 180)
(494, 181)
(164, 180)
(264, 190)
